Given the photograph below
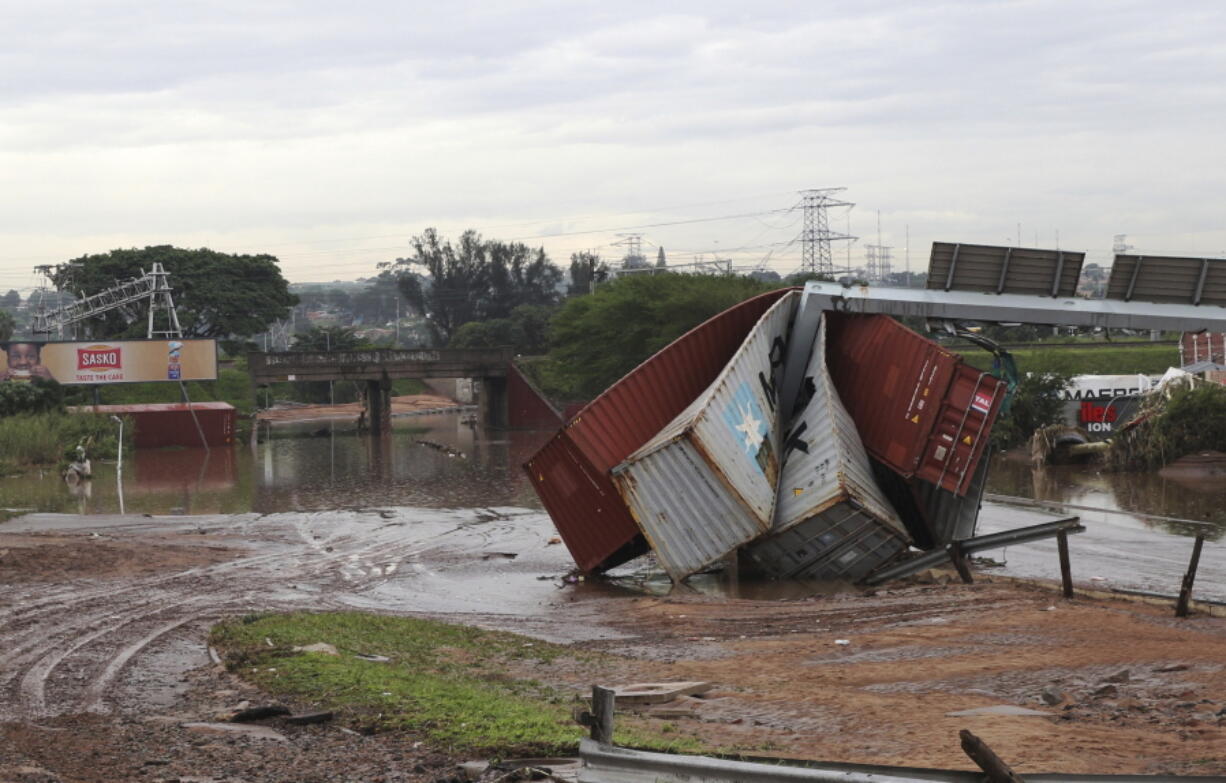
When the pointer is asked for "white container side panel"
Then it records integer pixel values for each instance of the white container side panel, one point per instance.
(824, 458)
(739, 428)
(840, 543)
(689, 514)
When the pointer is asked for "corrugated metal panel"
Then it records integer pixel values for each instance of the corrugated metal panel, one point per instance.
(933, 516)
(527, 407)
(1003, 270)
(831, 520)
(899, 388)
(1197, 281)
(962, 428)
(1202, 347)
(570, 473)
(705, 484)
(157, 425)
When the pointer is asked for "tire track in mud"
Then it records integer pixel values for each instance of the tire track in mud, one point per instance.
(64, 651)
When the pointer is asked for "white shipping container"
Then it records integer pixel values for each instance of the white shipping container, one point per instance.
(705, 484)
(831, 521)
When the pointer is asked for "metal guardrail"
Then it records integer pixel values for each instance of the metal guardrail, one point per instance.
(608, 764)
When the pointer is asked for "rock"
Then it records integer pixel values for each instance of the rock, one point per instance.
(258, 713)
(1051, 696)
(1121, 676)
(255, 732)
(1172, 667)
(1105, 690)
(318, 647)
(308, 718)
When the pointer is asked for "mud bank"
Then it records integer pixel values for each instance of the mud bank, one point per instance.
(112, 658)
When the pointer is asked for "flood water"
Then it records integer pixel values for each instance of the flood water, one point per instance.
(437, 461)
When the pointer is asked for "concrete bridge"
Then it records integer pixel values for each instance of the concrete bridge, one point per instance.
(378, 368)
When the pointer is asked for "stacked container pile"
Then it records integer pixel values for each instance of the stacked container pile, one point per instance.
(885, 448)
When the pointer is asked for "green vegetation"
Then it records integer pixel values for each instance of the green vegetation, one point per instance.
(1090, 360)
(455, 685)
(8, 325)
(1192, 420)
(1036, 404)
(526, 330)
(31, 439)
(216, 294)
(600, 337)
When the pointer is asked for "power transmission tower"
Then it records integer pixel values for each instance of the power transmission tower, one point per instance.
(634, 251)
(1119, 245)
(816, 237)
(877, 264)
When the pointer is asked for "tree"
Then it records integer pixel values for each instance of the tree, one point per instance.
(526, 330)
(586, 269)
(326, 338)
(8, 325)
(216, 294)
(474, 280)
(11, 300)
(599, 338)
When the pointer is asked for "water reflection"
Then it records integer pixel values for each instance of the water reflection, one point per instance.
(433, 461)
(1141, 493)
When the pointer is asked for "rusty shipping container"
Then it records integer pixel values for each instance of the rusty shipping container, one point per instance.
(918, 408)
(831, 521)
(705, 484)
(157, 425)
(527, 406)
(571, 472)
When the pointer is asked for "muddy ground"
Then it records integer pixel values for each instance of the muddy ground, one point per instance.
(103, 621)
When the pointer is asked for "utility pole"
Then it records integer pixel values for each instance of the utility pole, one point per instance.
(816, 235)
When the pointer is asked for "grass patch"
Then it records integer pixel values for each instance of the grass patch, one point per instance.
(1091, 360)
(452, 684)
(30, 439)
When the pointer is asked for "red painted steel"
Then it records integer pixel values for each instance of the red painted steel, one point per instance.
(171, 424)
(571, 472)
(900, 389)
(1203, 347)
(527, 407)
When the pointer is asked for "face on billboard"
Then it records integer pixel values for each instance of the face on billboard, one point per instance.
(112, 361)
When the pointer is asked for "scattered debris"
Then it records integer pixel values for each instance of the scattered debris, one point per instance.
(307, 718)
(318, 647)
(258, 713)
(374, 658)
(255, 732)
(1051, 696)
(657, 692)
(1007, 710)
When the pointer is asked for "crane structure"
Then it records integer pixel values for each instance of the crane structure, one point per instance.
(152, 286)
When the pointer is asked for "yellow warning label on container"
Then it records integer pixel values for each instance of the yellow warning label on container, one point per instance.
(967, 440)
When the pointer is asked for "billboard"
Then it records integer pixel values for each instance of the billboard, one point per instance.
(109, 361)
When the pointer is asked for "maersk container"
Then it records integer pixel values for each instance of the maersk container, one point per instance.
(919, 409)
(831, 521)
(570, 473)
(705, 484)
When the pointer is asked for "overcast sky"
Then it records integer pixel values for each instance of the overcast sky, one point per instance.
(328, 134)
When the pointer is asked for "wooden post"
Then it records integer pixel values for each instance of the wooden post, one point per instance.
(991, 764)
(960, 563)
(602, 714)
(1066, 570)
(1185, 592)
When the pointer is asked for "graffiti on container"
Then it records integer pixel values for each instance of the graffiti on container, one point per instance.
(770, 382)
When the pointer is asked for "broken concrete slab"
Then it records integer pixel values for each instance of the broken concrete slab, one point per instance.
(657, 692)
(1005, 710)
(242, 729)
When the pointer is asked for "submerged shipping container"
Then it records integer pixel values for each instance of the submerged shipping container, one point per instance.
(918, 408)
(571, 472)
(705, 484)
(157, 425)
(831, 521)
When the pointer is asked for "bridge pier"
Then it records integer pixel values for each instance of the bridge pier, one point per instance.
(492, 402)
(379, 406)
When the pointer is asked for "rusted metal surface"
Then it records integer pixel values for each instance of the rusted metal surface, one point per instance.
(373, 365)
(570, 473)
(157, 425)
(1202, 347)
(1003, 270)
(705, 484)
(1168, 279)
(527, 407)
(914, 403)
(831, 520)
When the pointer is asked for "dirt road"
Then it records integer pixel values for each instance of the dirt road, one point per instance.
(102, 659)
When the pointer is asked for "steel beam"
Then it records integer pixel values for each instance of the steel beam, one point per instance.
(1018, 308)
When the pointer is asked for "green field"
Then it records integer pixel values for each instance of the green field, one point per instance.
(1090, 360)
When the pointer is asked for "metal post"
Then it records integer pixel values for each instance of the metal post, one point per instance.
(1066, 570)
(1185, 592)
(602, 713)
(958, 556)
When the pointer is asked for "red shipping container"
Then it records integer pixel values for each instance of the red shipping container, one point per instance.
(571, 472)
(157, 425)
(919, 409)
(527, 407)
